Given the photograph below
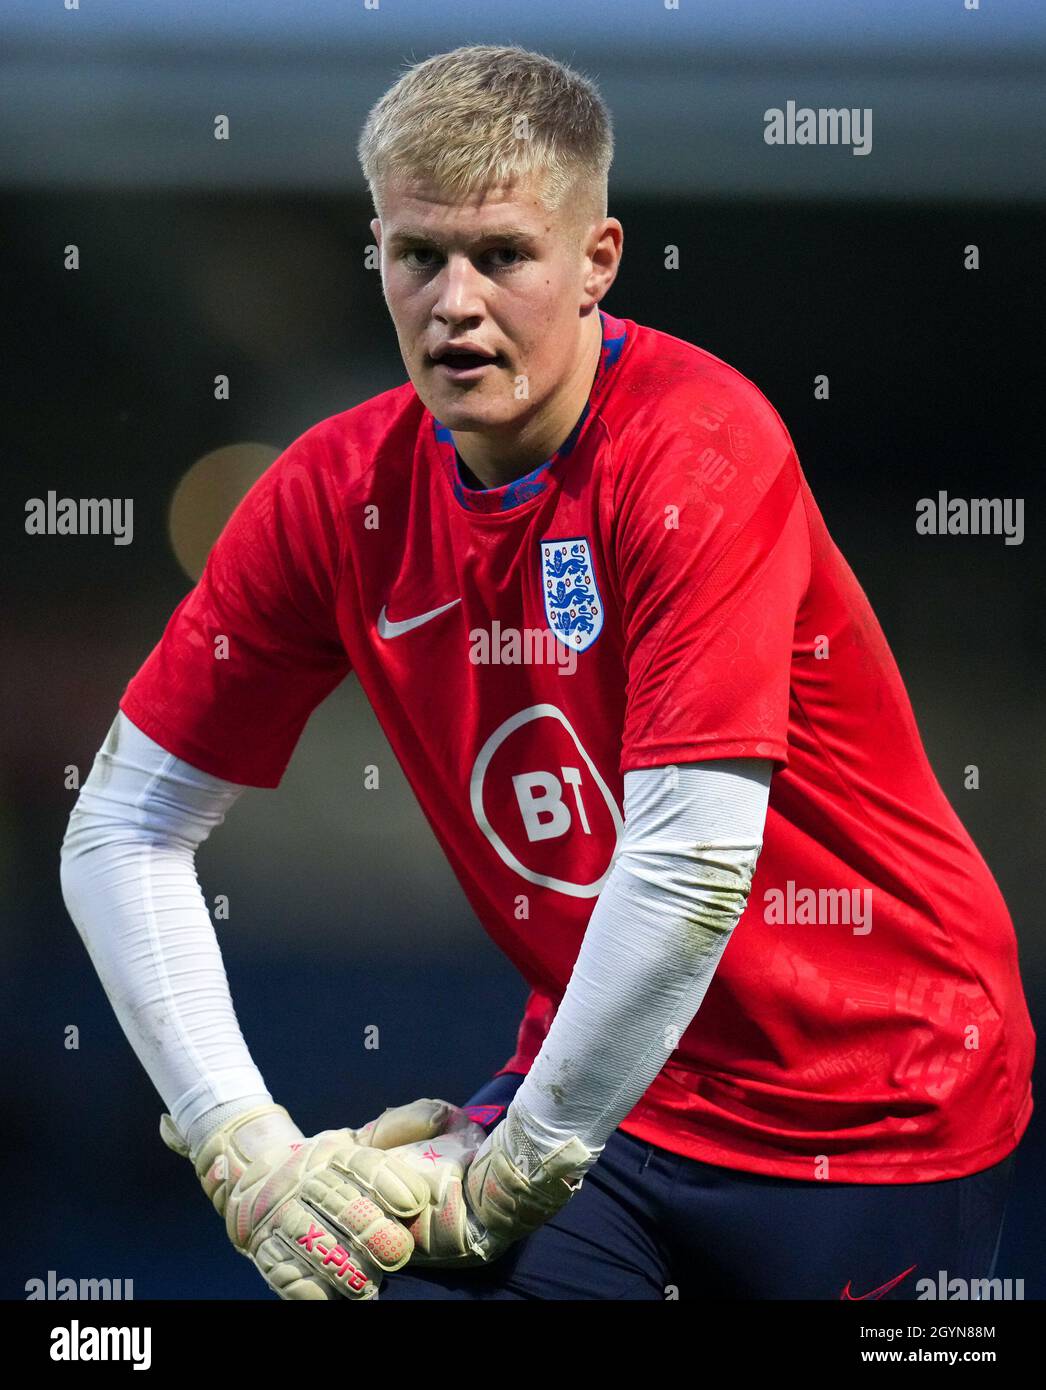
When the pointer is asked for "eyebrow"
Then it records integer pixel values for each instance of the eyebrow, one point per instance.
(403, 234)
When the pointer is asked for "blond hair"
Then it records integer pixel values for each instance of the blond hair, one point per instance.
(484, 116)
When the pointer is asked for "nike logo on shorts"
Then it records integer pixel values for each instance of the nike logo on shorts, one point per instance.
(875, 1293)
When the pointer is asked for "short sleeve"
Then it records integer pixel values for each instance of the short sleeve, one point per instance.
(253, 649)
(713, 560)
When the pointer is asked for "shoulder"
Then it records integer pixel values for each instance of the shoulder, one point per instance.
(693, 412)
(302, 499)
(344, 448)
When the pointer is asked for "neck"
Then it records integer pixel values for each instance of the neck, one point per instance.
(499, 458)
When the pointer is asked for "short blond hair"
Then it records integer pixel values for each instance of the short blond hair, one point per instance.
(484, 116)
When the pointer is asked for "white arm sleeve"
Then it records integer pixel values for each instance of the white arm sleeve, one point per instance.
(129, 882)
(679, 883)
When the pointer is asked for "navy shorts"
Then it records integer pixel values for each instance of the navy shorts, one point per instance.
(649, 1224)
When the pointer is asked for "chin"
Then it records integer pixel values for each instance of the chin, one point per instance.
(462, 414)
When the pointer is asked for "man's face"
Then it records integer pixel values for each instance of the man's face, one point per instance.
(494, 270)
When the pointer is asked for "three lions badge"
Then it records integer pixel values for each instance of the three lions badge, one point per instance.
(573, 603)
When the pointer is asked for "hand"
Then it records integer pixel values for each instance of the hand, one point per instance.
(320, 1217)
(487, 1192)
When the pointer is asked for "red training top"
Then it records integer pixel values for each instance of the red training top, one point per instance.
(868, 1007)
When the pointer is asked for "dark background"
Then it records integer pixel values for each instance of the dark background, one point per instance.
(793, 263)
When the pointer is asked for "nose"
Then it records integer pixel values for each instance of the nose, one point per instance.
(460, 292)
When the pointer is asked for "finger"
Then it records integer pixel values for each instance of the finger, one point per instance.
(389, 1182)
(406, 1124)
(350, 1219)
(441, 1230)
(293, 1278)
(321, 1250)
(289, 1277)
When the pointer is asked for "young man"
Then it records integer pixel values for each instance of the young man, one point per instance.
(577, 569)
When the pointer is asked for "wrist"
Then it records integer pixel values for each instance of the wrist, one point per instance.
(270, 1127)
(512, 1187)
(251, 1127)
(533, 1144)
(205, 1125)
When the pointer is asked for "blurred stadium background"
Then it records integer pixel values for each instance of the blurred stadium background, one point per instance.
(247, 258)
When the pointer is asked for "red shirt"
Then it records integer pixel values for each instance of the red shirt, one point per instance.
(673, 547)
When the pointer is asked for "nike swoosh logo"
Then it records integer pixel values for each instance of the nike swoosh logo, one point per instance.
(387, 628)
(875, 1293)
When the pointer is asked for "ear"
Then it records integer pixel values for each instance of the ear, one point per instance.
(605, 249)
(375, 227)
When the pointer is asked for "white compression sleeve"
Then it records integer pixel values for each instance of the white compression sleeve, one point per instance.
(679, 883)
(129, 883)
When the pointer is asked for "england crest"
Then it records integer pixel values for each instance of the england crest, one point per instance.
(573, 603)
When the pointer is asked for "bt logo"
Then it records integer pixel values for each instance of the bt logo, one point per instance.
(558, 815)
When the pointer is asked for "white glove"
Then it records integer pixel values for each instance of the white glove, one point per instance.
(319, 1218)
(487, 1191)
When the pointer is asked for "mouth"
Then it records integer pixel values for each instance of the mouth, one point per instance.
(464, 366)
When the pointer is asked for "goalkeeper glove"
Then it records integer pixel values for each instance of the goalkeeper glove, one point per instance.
(320, 1218)
(487, 1191)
